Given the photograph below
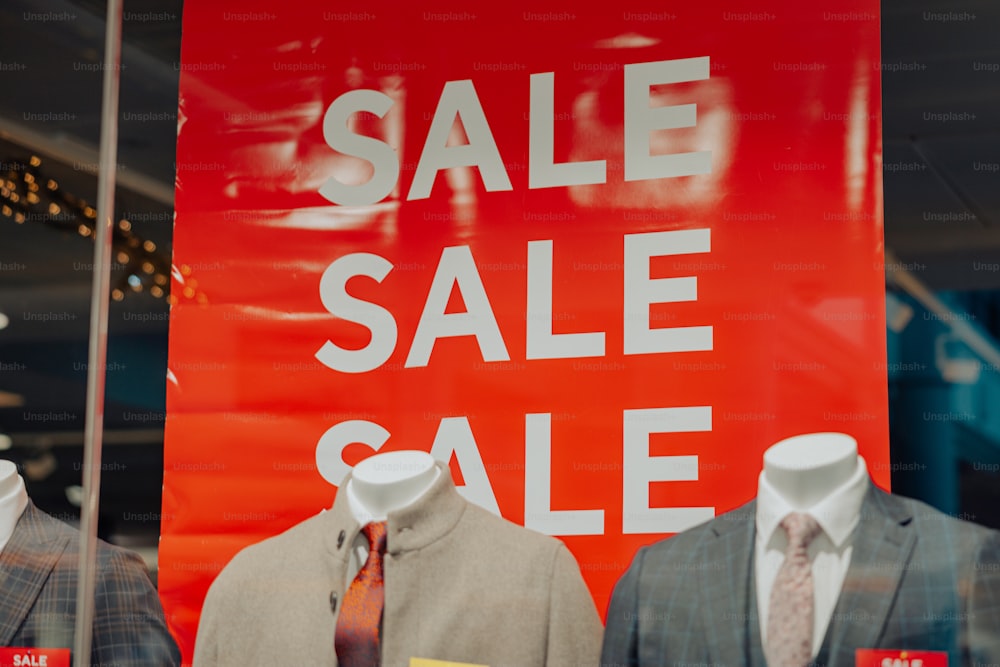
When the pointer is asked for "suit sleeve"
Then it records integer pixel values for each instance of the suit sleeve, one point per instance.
(620, 647)
(129, 626)
(984, 603)
(574, 636)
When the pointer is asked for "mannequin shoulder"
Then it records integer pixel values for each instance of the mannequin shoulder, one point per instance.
(53, 536)
(932, 521)
(690, 544)
(295, 547)
(479, 524)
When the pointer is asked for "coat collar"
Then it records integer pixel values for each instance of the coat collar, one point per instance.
(424, 522)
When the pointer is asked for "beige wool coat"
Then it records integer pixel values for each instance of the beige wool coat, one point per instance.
(461, 585)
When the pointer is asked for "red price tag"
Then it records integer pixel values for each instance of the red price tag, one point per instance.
(867, 657)
(13, 656)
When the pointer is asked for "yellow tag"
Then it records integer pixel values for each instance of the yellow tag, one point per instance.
(424, 662)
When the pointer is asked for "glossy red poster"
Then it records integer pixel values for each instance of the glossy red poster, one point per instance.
(598, 259)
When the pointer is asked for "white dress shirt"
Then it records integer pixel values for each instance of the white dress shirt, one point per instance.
(829, 552)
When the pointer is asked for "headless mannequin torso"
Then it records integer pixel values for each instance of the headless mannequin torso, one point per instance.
(820, 474)
(381, 484)
(386, 482)
(806, 468)
(13, 500)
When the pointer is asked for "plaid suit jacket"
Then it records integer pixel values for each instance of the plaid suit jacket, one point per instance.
(918, 580)
(38, 579)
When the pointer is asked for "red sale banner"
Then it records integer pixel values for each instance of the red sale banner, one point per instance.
(597, 260)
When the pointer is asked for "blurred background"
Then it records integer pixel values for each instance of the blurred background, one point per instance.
(941, 111)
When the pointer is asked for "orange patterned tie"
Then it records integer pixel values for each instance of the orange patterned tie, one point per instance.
(357, 637)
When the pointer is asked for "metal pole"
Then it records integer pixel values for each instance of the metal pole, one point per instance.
(98, 344)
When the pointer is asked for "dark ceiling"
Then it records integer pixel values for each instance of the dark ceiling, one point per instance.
(941, 101)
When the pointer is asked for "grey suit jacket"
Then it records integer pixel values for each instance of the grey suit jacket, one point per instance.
(38, 578)
(918, 579)
(461, 585)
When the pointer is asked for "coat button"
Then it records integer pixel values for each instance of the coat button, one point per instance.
(333, 602)
(340, 539)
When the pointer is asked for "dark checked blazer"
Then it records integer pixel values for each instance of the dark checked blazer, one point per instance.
(918, 579)
(38, 578)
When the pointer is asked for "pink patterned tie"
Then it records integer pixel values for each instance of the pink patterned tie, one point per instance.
(357, 637)
(790, 614)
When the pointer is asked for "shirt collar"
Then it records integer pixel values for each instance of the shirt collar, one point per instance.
(358, 510)
(837, 514)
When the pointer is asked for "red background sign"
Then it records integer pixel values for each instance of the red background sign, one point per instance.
(378, 241)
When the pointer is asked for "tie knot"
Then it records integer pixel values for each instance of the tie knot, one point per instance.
(801, 529)
(376, 534)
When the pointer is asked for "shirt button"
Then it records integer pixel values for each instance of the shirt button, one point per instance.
(340, 539)
(333, 602)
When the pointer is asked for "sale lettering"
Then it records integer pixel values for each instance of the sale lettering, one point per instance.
(22, 656)
(454, 438)
(456, 269)
(459, 100)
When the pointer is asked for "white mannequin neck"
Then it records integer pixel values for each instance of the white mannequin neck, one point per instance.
(13, 500)
(386, 482)
(807, 468)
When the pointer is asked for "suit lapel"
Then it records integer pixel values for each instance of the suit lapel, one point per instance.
(724, 568)
(25, 564)
(755, 645)
(883, 546)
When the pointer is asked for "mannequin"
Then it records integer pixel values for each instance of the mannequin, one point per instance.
(804, 469)
(889, 573)
(819, 474)
(39, 563)
(386, 482)
(13, 500)
(451, 569)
